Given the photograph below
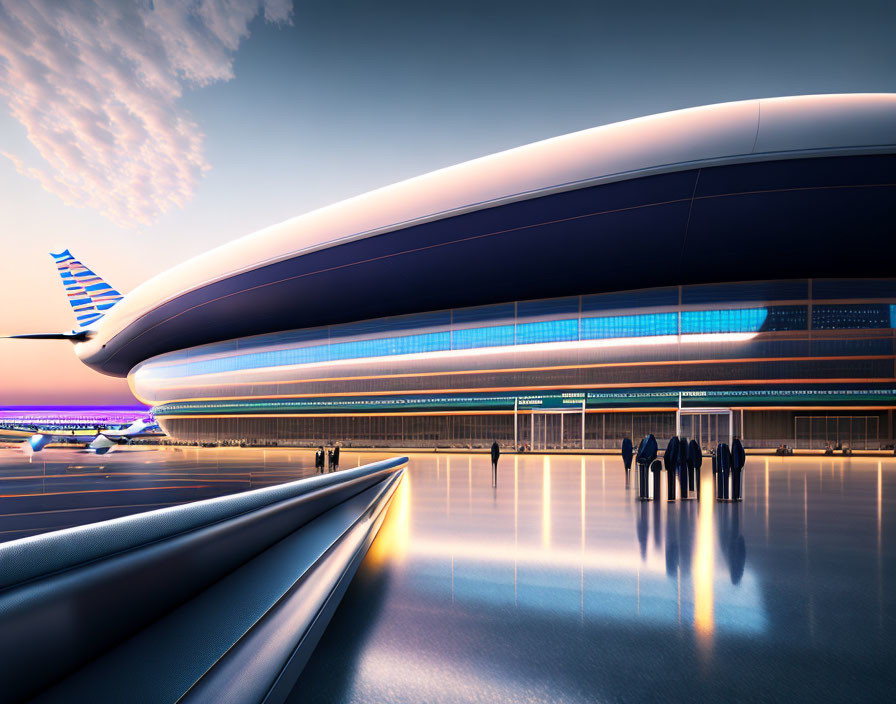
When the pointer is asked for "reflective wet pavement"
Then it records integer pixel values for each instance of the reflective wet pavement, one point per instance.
(61, 487)
(559, 585)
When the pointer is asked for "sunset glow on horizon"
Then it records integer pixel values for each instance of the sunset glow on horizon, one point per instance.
(140, 135)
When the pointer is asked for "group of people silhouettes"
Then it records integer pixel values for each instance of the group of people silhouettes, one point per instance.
(331, 457)
(682, 461)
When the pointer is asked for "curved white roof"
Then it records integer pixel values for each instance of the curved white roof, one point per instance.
(750, 130)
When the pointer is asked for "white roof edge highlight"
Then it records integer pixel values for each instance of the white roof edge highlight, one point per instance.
(719, 134)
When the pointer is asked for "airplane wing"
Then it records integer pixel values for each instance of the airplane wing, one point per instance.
(74, 336)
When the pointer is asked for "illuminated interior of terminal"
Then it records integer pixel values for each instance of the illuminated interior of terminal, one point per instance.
(806, 363)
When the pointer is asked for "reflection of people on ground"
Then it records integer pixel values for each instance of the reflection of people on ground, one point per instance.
(642, 528)
(686, 535)
(734, 548)
(679, 538)
(319, 459)
(672, 557)
(496, 453)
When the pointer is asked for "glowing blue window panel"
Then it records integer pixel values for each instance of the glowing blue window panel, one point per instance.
(697, 322)
(892, 316)
(616, 326)
(494, 336)
(547, 331)
(408, 344)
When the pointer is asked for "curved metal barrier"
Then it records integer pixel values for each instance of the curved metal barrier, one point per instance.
(220, 600)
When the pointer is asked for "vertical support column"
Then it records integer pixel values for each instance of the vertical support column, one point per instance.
(516, 424)
(678, 412)
(730, 427)
(583, 424)
(562, 446)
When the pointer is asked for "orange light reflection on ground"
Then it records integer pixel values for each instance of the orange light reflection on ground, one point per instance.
(391, 543)
(703, 567)
(546, 503)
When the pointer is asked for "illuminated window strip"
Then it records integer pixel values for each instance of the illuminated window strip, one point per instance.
(744, 322)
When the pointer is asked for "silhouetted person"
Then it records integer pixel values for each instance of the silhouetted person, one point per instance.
(723, 472)
(329, 460)
(738, 460)
(496, 453)
(319, 460)
(681, 466)
(627, 453)
(336, 457)
(646, 454)
(695, 461)
(670, 457)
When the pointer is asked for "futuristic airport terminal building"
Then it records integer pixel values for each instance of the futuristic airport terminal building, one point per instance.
(669, 271)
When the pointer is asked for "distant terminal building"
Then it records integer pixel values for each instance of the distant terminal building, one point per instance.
(72, 423)
(718, 270)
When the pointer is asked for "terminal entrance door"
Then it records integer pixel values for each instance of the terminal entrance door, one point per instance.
(557, 430)
(708, 426)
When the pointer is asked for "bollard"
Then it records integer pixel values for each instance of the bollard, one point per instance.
(643, 490)
(669, 458)
(738, 460)
(657, 467)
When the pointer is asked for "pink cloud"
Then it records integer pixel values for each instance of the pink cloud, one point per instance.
(97, 83)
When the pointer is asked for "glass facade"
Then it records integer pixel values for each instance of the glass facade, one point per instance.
(460, 376)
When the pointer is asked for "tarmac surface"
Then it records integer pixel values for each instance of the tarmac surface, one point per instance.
(559, 585)
(66, 487)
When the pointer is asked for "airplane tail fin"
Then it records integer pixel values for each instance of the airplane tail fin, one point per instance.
(88, 295)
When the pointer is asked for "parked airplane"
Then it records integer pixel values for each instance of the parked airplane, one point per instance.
(101, 443)
(90, 298)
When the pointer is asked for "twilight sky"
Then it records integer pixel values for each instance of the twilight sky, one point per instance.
(141, 133)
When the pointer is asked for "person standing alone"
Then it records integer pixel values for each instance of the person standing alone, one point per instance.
(496, 453)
